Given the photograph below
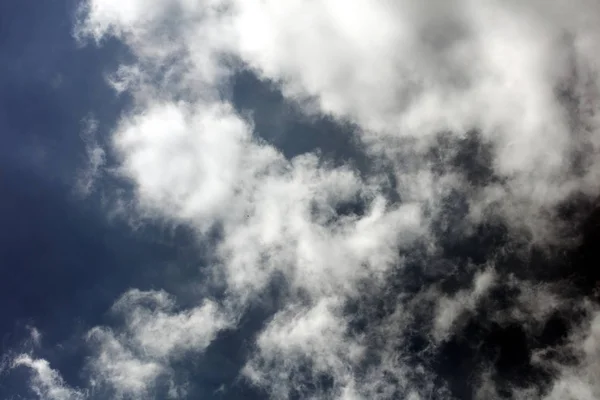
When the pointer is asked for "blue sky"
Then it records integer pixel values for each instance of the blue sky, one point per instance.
(257, 199)
(63, 261)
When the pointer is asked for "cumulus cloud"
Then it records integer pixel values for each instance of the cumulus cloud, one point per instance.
(479, 119)
(160, 150)
(520, 74)
(414, 70)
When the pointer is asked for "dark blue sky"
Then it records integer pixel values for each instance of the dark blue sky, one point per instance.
(62, 261)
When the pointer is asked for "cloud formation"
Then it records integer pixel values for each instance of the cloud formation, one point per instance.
(46, 382)
(479, 118)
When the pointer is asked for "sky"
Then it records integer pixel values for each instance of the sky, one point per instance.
(262, 199)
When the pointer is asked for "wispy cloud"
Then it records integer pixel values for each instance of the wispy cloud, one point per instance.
(46, 382)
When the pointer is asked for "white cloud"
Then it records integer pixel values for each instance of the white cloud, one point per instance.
(46, 382)
(402, 72)
(288, 231)
(449, 309)
(96, 157)
(413, 69)
(129, 361)
(158, 331)
(36, 336)
(398, 69)
(184, 159)
(313, 338)
(116, 366)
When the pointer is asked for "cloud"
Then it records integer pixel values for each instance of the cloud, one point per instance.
(580, 381)
(301, 345)
(46, 382)
(398, 71)
(131, 360)
(406, 70)
(150, 316)
(161, 149)
(96, 157)
(117, 367)
(450, 309)
(479, 117)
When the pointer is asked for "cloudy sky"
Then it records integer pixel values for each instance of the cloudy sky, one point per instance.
(299, 199)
